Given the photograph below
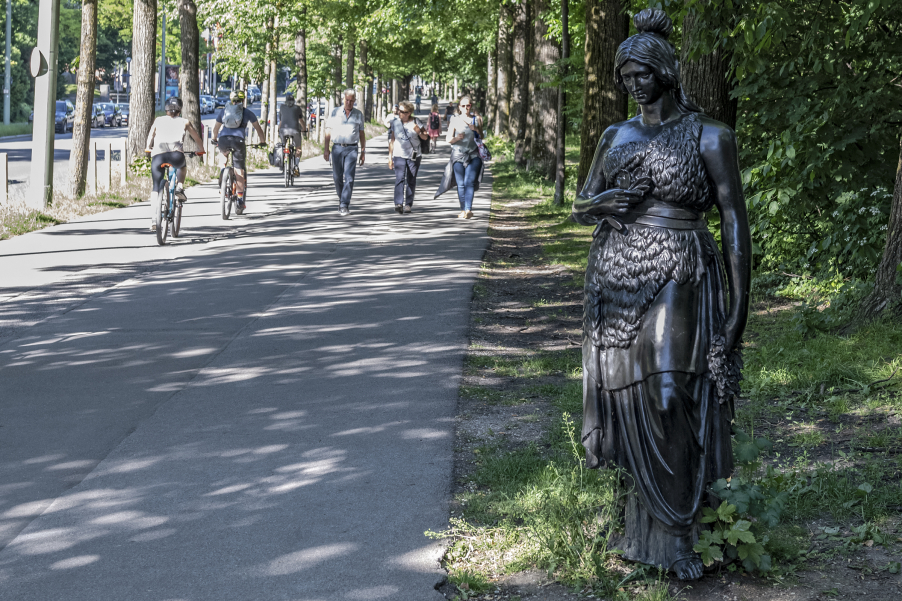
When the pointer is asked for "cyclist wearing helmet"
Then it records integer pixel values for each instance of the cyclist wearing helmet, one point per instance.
(291, 123)
(164, 143)
(233, 120)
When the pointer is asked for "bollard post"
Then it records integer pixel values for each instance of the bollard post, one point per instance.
(122, 161)
(4, 177)
(92, 165)
(108, 173)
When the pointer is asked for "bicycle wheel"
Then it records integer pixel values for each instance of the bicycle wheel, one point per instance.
(177, 219)
(163, 216)
(286, 168)
(225, 193)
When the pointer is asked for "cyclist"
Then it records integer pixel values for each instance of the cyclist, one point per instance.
(233, 120)
(164, 143)
(291, 123)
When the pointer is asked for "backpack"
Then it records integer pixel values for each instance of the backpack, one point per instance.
(435, 122)
(277, 156)
(233, 115)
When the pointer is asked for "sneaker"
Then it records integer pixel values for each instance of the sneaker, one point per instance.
(343, 211)
(462, 215)
(240, 206)
(468, 215)
(399, 209)
(153, 226)
(296, 172)
(180, 194)
(407, 208)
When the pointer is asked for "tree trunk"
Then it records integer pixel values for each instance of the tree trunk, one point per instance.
(84, 101)
(523, 135)
(143, 66)
(188, 74)
(707, 80)
(337, 74)
(545, 99)
(561, 138)
(368, 85)
(492, 94)
(349, 77)
(264, 92)
(519, 82)
(505, 64)
(273, 96)
(887, 292)
(300, 61)
(603, 105)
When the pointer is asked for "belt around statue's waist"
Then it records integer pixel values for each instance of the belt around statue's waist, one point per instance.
(673, 222)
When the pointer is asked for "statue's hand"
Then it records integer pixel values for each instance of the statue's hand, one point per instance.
(615, 201)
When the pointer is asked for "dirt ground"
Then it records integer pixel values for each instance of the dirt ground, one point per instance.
(509, 316)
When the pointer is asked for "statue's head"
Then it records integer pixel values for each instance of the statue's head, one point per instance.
(651, 49)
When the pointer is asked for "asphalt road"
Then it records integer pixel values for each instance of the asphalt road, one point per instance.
(261, 410)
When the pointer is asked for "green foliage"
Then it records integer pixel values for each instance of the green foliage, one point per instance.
(757, 499)
(818, 126)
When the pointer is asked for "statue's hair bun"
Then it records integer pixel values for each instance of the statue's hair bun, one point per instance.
(654, 20)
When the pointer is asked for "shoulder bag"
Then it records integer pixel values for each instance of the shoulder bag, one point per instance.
(484, 153)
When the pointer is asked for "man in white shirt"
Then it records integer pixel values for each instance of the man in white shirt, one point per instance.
(345, 129)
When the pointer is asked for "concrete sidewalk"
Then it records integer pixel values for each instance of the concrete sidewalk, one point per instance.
(261, 410)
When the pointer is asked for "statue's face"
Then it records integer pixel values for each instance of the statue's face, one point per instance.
(641, 83)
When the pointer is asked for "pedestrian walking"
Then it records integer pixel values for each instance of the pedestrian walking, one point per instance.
(345, 130)
(434, 99)
(418, 100)
(465, 167)
(404, 154)
(434, 126)
(449, 112)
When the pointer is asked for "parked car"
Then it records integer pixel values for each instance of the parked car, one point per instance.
(253, 93)
(64, 117)
(207, 104)
(222, 97)
(97, 117)
(123, 113)
(110, 114)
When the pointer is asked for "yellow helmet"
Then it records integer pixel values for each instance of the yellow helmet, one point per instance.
(237, 96)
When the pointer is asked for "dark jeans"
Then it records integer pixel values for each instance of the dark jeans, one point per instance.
(466, 178)
(344, 167)
(405, 179)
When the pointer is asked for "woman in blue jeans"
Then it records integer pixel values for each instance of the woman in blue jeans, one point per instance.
(467, 165)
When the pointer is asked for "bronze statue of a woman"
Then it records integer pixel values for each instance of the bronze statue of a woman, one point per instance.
(660, 359)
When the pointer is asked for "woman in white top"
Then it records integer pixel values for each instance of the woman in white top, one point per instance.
(467, 165)
(404, 154)
(164, 143)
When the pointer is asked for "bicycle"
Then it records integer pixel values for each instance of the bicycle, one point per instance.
(170, 208)
(288, 151)
(228, 185)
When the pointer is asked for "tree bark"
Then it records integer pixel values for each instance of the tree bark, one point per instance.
(505, 64)
(707, 80)
(84, 101)
(543, 153)
(887, 292)
(264, 92)
(349, 77)
(368, 85)
(526, 90)
(603, 105)
(300, 61)
(143, 66)
(337, 75)
(491, 107)
(519, 82)
(561, 138)
(188, 74)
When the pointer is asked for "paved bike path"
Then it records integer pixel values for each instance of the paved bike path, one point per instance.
(263, 410)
